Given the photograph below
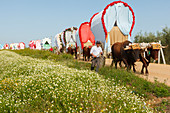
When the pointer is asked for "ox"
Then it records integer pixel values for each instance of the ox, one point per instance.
(86, 53)
(72, 51)
(125, 52)
(150, 52)
(63, 50)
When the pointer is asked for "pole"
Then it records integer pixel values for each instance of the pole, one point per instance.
(163, 57)
(159, 54)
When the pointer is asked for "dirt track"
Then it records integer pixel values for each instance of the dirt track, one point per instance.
(160, 72)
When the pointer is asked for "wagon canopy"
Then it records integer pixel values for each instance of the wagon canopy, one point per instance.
(70, 37)
(38, 44)
(58, 41)
(32, 44)
(6, 46)
(63, 39)
(85, 36)
(14, 46)
(21, 45)
(46, 43)
(114, 24)
(1, 46)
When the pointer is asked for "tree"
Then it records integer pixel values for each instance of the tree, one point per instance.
(164, 36)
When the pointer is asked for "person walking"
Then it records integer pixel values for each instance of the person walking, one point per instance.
(96, 52)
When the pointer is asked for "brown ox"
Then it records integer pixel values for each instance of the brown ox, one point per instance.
(86, 53)
(150, 53)
(72, 51)
(121, 53)
(63, 50)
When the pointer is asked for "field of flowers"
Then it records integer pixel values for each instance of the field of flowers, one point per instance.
(35, 85)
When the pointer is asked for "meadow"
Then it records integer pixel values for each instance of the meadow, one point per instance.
(41, 85)
(128, 79)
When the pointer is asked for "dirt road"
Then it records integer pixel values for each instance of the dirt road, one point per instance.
(159, 72)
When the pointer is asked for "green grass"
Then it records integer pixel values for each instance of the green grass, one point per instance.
(138, 85)
(128, 79)
(36, 85)
(42, 54)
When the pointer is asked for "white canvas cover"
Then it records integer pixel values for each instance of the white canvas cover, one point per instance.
(72, 41)
(97, 28)
(78, 43)
(46, 42)
(57, 41)
(74, 35)
(32, 44)
(1, 47)
(110, 18)
(14, 46)
(115, 14)
(70, 37)
(21, 45)
(62, 38)
(38, 44)
(6, 46)
(124, 20)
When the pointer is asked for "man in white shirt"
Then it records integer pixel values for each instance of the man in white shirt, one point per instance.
(96, 52)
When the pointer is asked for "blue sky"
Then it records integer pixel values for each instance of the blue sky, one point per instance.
(25, 20)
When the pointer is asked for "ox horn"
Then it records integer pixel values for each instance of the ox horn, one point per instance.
(164, 47)
(130, 45)
(143, 47)
(127, 48)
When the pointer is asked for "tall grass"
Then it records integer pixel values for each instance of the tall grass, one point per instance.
(36, 85)
(128, 79)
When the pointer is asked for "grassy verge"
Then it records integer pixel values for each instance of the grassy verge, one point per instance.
(128, 79)
(35, 85)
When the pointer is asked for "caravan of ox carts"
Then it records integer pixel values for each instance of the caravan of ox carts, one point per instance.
(113, 27)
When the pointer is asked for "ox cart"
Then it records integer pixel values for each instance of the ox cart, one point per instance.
(113, 24)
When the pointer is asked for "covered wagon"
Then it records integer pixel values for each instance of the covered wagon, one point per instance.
(85, 36)
(1, 47)
(6, 46)
(58, 41)
(69, 36)
(14, 46)
(114, 24)
(38, 44)
(46, 43)
(85, 40)
(32, 44)
(21, 45)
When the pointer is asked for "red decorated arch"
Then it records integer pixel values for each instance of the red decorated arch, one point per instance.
(86, 34)
(111, 4)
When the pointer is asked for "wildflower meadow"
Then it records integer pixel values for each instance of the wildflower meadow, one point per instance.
(36, 85)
